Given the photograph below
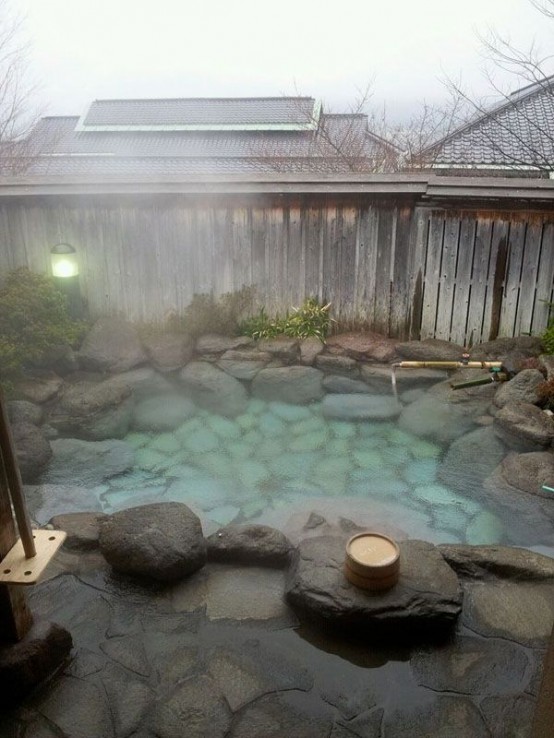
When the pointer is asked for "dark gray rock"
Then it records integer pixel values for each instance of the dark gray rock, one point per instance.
(23, 411)
(87, 463)
(427, 595)
(162, 541)
(111, 345)
(370, 347)
(508, 715)
(335, 384)
(143, 382)
(471, 458)
(129, 699)
(168, 351)
(82, 528)
(215, 344)
(162, 412)
(521, 388)
(438, 716)
(488, 562)
(309, 349)
(524, 427)
(32, 449)
(529, 471)
(432, 349)
(257, 545)
(279, 715)
(360, 407)
(40, 389)
(28, 662)
(250, 669)
(342, 365)
(214, 389)
(280, 347)
(244, 364)
(498, 349)
(94, 411)
(379, 378)
(295, 384)
(471, 665)
(78, 708)
(195, 709)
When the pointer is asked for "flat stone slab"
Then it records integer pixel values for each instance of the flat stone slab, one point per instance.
(162, 541)
(360, 406)
(427, 595)
(250, 544)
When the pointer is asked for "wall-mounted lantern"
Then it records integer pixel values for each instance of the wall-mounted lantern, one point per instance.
(64, 261)
(65, 270)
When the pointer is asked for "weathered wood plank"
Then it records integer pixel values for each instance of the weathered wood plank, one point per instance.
(367, 264)
(401, 274)
(498, 262)
(508, 312)
(447, 274)
(432, 275)
(528, 278)
(463, 286)
(545, 281)
(479, 281)
(385, 242)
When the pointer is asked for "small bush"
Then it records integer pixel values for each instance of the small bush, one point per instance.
(311, 319)
(208, 314)
(545, 392)
(33, 319)
(548, 338)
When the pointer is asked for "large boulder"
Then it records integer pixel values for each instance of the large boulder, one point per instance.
(444, 414)
(22, 411)
(168, 351)
(214, 389)
(371, 347)
(342, 365)
(280, 347)
(162, 413)
(360, 407)
(489, 562)
(500, 348)
(111, 345)
(94, 411)
(87, 463)
(244, 364)
(144, 382)
(212, 343)
(162, 541)
(426, 597)
(471, 458)
(32, 449)
(524, 427)
(255, 545)
(34, 658)
(40, 389)
(431, 349)
(529, 471)
(521, 388)
(297, 385)
(340, 385)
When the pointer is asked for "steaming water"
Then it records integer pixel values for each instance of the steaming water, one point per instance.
(277, 463)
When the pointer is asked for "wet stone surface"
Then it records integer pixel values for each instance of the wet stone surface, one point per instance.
(221, 654)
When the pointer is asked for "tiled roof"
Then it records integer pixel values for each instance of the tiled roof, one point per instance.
(202, 112)
(59, 145)
(519, 133)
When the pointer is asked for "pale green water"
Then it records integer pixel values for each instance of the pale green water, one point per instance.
(277, 461)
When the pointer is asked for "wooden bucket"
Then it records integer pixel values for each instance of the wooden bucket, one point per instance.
(372, 561)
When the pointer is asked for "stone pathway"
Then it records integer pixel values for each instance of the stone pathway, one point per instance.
(222, 654)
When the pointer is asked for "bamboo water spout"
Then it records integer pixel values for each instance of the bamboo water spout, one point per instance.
(460, 364)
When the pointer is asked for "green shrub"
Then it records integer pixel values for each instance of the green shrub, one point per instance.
(548, 338)
(33, 319)
(207, 314)
(311, 319)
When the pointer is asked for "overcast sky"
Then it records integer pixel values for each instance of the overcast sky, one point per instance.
(81, 50)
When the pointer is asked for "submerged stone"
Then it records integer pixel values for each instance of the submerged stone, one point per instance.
(360, 407)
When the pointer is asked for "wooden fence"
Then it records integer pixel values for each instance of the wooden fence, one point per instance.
(404, 268)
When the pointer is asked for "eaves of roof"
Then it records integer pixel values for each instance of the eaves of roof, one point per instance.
(424, 188)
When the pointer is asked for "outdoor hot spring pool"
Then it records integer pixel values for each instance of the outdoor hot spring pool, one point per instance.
(290, 467)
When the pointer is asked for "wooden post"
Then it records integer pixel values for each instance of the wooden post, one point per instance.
(15, 616)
